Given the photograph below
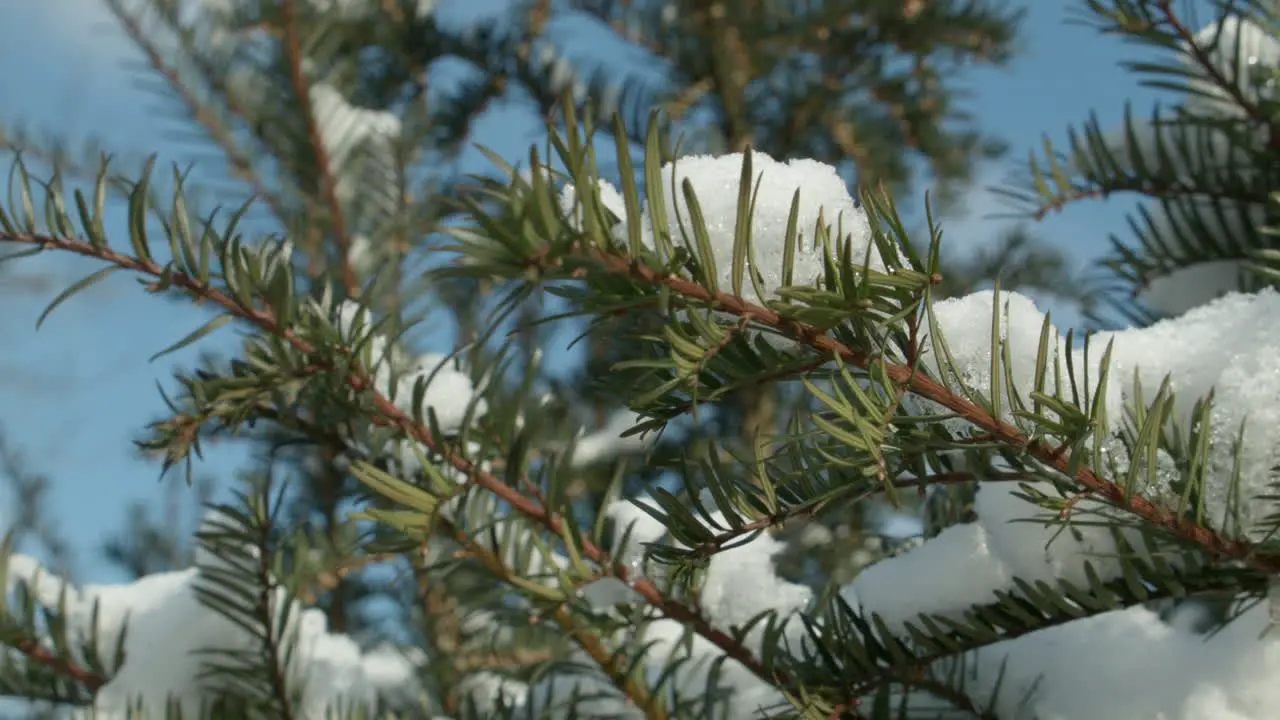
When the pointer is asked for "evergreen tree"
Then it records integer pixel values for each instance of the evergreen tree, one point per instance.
(1205, 172)
(656, 596)
(220, 65)
(1204, 168)
(866, 86)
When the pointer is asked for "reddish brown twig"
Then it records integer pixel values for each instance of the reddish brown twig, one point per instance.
(39, 654)
(328, 183)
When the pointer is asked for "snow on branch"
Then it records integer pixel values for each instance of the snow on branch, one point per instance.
(1146, 459)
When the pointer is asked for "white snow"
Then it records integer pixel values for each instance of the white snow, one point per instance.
(449, 392)
(1201, 351)
(744, 695)
(1258, 50)
(824, 197)
(1229, 347)
(361, 148)
(608, 442)
(948, 573)
(362, 256)
(610, 198)
(356, 324)
(1128, 664)
(637, 527)
(1191, 286)
(605, 593)
(966, 329)
(741, 584)
(715, 180)
(167, 626)
(488, 691)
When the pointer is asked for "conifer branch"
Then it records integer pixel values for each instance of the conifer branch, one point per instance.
(554, 523)
(390, 415)
(1160, 188)
(276, 657)
(327, 182)
(612, 664)
(930, 389)
(328, 580)
(331, 376)
(516, 659)
(203, 114)
(1206, 63)
(442, 635)
(724, 539)
(37, 653)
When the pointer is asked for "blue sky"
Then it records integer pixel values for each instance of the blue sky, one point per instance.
(74, 394)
